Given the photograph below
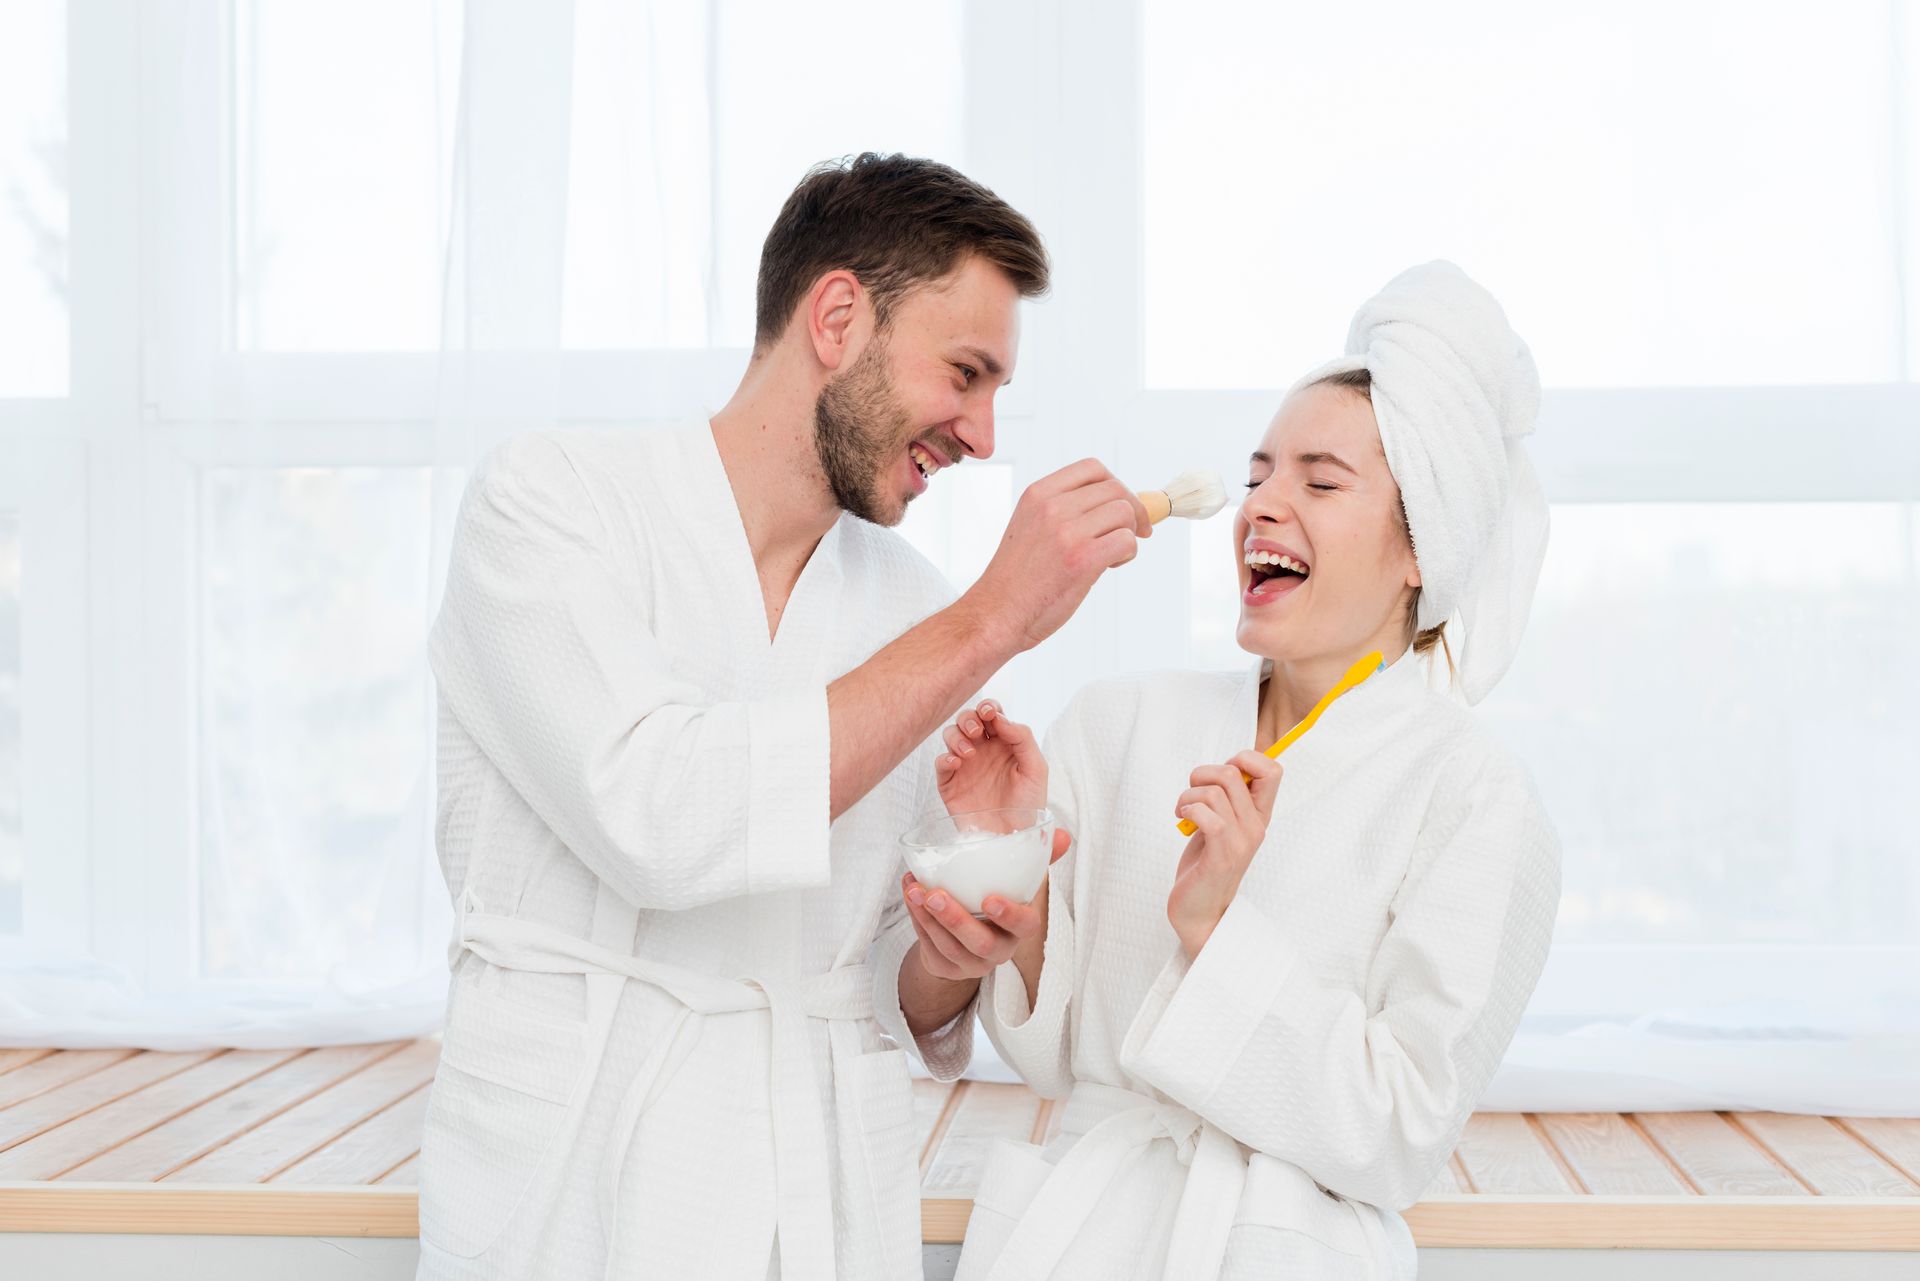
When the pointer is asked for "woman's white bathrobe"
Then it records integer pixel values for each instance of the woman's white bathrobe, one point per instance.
(664, 1016)
(1335, 1031)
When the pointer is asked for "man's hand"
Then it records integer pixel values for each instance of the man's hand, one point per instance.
(957, 946)
(1067, 530)
(1232, 814)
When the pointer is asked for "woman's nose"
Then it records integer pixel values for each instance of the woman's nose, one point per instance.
(1259, 505)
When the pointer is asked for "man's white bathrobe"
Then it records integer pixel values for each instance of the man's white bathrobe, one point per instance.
(1267, 1109)
(662, 1027)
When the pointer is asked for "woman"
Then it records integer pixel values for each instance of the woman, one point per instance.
(1270, 1036)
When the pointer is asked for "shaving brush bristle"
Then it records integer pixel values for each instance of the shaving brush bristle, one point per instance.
(1196, 495)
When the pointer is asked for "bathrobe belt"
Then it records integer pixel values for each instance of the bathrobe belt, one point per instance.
(1115, 1126)
(804, 1205)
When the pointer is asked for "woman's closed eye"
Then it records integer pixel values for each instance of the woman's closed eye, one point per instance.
(1325, 488)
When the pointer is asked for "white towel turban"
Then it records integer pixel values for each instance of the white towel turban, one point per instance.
(1455, 393)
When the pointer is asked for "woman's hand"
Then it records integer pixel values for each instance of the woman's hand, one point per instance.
(991, 763)
(1232, 815)
(956, 945)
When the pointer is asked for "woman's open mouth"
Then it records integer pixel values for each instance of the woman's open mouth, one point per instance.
(1273, 575)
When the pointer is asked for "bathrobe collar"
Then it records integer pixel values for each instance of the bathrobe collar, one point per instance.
(706, 502)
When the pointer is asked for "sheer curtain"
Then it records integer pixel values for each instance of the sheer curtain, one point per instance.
(321, 259)
(376, 241)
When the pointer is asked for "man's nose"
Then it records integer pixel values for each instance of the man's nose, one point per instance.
(975, 431)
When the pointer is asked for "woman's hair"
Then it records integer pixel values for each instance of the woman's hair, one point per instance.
(1360, 381)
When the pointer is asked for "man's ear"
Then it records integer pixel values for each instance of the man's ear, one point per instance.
(833, 309)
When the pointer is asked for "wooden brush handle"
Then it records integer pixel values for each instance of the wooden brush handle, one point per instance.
(1158, 505)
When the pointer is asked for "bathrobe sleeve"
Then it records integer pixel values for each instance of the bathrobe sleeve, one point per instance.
(543, 654)
(1368, 1092)
(946, 1051)
(1036, 1041)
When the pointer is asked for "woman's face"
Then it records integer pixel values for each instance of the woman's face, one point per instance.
(1321, 496)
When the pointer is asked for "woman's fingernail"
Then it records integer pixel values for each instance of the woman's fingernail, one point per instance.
(916, 896)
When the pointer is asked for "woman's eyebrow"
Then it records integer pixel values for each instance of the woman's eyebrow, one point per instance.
(1321, 456)
(1316, 456)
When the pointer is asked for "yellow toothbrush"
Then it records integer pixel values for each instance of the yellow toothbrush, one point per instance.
(1374, 662)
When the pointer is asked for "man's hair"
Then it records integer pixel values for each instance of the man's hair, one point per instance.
(895, 222)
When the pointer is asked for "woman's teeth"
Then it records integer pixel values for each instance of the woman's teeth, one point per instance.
(1264, 559)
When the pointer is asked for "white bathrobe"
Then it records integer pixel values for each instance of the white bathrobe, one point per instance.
(662, 1027)
(1265, 1110)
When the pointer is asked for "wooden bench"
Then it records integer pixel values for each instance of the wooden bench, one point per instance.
(325, 1142)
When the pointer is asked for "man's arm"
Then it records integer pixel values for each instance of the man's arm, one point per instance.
(929, 1002)
(886, 707)
(1067, 529)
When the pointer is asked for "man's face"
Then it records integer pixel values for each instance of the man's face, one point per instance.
(919, 396)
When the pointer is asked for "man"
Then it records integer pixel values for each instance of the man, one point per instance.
(689, 684)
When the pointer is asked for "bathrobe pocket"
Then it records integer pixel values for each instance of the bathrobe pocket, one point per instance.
(506, 1077)
(1011, 1178)
(1288, 1226)
(879, 1166)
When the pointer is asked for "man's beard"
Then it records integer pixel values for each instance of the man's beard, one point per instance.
(859, 433)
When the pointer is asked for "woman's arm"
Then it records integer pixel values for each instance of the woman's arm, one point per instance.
(1368, 1091)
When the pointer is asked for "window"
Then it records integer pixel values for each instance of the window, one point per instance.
(33, 201)
(1718, 704)
(343, 141)
(679, 163)
(12, 853)
(1660, 193)
(344, 153)
(1702, 217)
(315, 734)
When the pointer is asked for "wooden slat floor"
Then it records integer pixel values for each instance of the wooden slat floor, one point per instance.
(326, 1142)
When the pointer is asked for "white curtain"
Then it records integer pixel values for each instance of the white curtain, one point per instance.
(368, 241)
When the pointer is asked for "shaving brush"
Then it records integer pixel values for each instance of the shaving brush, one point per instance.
(1192, 495)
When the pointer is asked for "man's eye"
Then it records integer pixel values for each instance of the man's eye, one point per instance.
(1326, 487)
(967, 371)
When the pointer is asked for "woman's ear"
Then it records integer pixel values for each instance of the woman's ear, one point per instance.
(832, 308)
